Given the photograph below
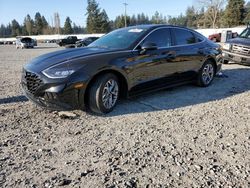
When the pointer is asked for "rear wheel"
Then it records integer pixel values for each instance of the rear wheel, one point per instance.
(104, 93)
(206, 74)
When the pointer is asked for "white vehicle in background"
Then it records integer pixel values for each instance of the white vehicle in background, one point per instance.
(25, 42)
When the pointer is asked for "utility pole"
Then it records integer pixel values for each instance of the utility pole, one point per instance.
(125, 4)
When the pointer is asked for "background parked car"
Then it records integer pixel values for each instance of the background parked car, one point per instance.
(34, 42)
(85, 42)
(217, 36)
(50, 41)
(238, 49)
(8, 42)
(68, 41)
(25, 42)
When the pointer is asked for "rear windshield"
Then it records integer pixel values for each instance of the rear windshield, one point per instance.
(25, 40)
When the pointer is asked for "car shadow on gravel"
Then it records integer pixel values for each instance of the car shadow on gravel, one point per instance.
(14, 99)
(232, 82)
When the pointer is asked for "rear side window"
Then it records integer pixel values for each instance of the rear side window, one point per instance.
(199, 38)
(183, 37)
(160, 37)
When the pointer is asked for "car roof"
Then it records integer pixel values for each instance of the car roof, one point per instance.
(153, 26)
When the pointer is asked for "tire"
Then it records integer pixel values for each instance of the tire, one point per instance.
(206, 74)
(99, 94)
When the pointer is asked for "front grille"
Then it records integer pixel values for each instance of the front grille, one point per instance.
(31, 81)
(241, 49)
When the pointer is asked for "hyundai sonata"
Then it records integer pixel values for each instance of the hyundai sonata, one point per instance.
(124, 63)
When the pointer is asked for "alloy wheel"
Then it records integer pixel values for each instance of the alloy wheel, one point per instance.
(208, 74)
(110, 94)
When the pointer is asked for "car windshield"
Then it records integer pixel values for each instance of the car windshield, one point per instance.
(119, 39)
(245, 33)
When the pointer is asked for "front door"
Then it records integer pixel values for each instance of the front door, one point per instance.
(153, 64)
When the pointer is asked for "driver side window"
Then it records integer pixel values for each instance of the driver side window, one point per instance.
(160, 37)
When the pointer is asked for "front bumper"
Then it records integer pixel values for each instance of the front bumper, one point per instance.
(54, 96)
(55, 101)
(238, 58)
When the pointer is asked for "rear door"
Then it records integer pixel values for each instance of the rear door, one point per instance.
(189, 51)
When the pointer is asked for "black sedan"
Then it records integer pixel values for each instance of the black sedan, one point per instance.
(123, 63)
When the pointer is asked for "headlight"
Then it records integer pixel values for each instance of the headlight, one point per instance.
(226, 46)
(62, 70)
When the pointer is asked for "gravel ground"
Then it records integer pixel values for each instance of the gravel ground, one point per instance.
(182, 137)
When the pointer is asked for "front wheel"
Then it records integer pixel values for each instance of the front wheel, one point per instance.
(104, 93)
(206, 74)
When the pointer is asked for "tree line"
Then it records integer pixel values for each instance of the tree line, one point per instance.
(39, 26)
(209, 14)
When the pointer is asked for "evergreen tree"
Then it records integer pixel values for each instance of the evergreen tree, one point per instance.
(234, 13)
(78, 29)
(38, 23)
(8, 30)
(120, 21)
(45, 25)
(104, 20)
(23, 30)
(97, 21)
(133, 20)
(191, 17)
(179, 20)
(2, 30)
(156, 18)
(67, 26)
(15, 28)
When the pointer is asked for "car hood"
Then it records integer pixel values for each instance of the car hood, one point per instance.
(47, 60)
(242, 41)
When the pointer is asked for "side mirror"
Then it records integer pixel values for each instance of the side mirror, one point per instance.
(148, 46)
